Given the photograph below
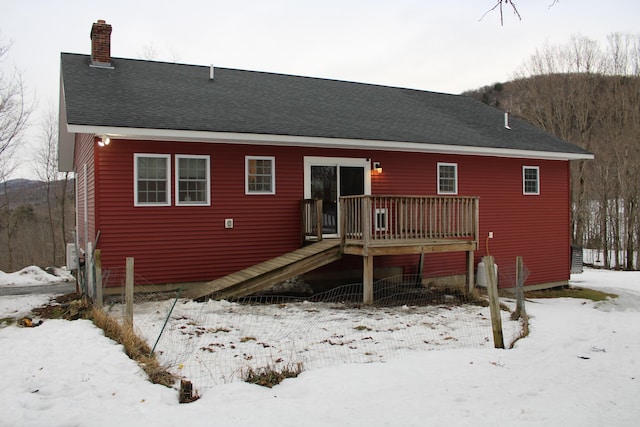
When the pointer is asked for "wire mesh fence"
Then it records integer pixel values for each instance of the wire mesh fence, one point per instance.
(218, 342)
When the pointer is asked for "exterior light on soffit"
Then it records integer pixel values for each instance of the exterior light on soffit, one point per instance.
(104, 141)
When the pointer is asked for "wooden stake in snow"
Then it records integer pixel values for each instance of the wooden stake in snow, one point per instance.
(98, 265)
(520, 312)
(494, 302)
(128, 294)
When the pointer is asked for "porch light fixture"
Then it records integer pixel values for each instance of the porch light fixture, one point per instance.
(104, 141)
(377, 167)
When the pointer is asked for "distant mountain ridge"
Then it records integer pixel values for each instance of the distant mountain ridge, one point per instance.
(27, 191)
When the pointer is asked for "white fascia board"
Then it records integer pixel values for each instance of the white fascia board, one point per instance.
(318, 142)
(66, 139)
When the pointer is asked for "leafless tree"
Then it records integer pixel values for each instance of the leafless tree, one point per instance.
(589, 95)
(14, 221)
(151, 53)
(15, 110)
(53, 182)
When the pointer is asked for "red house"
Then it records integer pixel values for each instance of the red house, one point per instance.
(198, 172)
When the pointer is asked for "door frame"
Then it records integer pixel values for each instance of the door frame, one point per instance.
(309, 161)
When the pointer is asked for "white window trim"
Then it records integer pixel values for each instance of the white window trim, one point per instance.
(455, 168)
(246, 176)
(207, 201)
(136, 156)
(529, 193)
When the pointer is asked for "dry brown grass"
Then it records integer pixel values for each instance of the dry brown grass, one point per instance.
(135, 347)
(572, 292)
(270, 376)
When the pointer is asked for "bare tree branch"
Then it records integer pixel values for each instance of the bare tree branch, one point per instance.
(499, 4)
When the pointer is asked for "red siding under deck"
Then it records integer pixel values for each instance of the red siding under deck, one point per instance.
(183, 244)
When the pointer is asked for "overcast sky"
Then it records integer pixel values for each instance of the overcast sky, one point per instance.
(434, 45)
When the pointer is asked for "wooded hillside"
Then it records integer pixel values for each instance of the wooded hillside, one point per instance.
(33, 228)
(600, 113)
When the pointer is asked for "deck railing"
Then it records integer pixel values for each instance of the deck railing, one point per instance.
(311, 220)
(379, 218)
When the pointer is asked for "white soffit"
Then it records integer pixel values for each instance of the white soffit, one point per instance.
(318, 142)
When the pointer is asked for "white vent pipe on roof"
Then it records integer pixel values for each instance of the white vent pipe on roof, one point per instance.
(211, 72)
(506, 121)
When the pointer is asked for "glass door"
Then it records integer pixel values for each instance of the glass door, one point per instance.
(329, 178)
(324, 186)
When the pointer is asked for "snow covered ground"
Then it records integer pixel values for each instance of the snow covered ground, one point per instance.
(579, 366)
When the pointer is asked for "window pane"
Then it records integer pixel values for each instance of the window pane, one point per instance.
(192, 180)
(260, 175)
(447, 179)
(530, 177)
(152, 180)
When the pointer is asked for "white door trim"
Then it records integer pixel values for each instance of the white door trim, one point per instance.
(335, 161)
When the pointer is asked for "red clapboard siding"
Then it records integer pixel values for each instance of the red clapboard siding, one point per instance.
(182, 244)
(84, 160)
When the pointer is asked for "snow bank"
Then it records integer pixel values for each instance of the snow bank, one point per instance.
(34, 276)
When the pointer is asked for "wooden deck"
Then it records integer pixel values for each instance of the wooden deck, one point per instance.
(266, 274)
(396, 225)
(370, 226)
(406, 246)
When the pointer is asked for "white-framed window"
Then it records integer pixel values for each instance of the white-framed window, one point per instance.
(531, 180)
(260, 175)
(447, 178)
(193, 182)
(152, 185)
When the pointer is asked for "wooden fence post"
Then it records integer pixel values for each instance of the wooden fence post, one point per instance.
(90, 276)
(128, 296)
(98, 264)
(494, 301)
(367, 279)
(520, 312)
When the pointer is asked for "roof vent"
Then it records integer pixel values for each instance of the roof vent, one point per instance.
(506, 120)
(211, 72)
(101, 44)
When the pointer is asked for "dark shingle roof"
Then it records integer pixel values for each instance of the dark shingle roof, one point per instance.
(157, 95)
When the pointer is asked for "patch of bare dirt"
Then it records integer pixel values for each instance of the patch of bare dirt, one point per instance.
(68, 306)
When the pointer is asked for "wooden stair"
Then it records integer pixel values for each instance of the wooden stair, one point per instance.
(269, 273)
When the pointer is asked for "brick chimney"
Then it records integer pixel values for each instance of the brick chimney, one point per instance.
(101, 44)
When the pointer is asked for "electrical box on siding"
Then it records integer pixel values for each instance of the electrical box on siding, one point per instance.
(72, 257)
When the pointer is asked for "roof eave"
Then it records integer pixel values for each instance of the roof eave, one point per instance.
(322, 142)
(66, 138)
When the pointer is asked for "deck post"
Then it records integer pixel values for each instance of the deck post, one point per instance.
(367, 279)
(470, 276)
